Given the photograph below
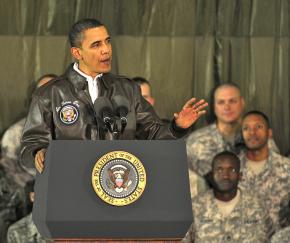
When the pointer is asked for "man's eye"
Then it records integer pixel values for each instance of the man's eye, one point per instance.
(221, 102)
(96, 44)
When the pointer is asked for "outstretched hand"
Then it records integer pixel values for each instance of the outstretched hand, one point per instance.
(190, 113)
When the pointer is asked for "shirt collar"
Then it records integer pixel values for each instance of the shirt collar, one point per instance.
(88, 78)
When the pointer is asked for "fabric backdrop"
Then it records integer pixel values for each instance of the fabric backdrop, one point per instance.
(183, 47)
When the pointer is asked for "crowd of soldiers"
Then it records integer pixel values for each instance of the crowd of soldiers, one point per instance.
(263, 172)
(239, 180)
(16, 185)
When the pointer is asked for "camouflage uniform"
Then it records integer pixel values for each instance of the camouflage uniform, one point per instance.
(248, 222)
(24, 230)
(272, 185)
(282, 236)
(11, 204)
(10, 145)
(203, 144)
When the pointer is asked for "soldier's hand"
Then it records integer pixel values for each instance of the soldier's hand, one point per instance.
(39, 160)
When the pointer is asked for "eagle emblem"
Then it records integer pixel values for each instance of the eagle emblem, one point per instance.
(68, 114)
(118, 178)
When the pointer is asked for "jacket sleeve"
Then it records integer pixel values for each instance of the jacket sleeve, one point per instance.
(149, 125)
(37, 131)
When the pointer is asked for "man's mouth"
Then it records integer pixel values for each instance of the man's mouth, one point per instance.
(106, 61)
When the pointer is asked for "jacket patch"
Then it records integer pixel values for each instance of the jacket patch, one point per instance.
(68, 114)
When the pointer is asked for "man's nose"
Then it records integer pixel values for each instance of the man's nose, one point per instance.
(105, 49)
(225, 174)
(227, 106)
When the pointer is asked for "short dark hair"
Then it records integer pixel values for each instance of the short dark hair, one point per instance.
(48, 75)
(34, 85)
(228, 155)
(211, 115)
(141, 80)
(76, 32)
(258, 113)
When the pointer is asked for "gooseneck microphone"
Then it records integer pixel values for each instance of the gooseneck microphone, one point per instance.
(104, 110)
(121, 105)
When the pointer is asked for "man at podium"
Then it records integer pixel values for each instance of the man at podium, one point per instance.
(68, 107)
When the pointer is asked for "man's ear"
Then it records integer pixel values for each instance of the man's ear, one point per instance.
(240, 176)
(270, 132)
(76, 53)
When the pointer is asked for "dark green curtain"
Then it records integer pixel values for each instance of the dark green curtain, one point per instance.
(183, 47)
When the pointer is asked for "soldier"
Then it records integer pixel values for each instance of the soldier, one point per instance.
(145, 89)
(10, 143)
(25, 230)
(227, 214)
(282, 236)
(265, 172)
(11, 204)
(224, 134)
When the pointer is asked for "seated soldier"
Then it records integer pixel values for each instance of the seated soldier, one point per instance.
(145, 89)
(25, 230)
(227, 214)
(10, 143)
(265, 172)
(11, 204)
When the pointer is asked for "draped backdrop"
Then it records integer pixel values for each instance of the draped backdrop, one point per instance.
(183, 47)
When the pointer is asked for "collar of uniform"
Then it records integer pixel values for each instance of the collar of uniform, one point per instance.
(248, 173)
(233, 214)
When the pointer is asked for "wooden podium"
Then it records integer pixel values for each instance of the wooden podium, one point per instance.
(67, 209)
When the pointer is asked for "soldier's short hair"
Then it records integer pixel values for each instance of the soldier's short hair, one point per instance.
(141, 80)
(258, 113)
(227, 155)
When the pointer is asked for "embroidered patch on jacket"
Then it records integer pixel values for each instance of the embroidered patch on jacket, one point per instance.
(68, 114)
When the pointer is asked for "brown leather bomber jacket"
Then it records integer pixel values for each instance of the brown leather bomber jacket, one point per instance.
(62, 109)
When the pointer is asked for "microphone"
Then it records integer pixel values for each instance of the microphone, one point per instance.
(121, 105)
(104, 110)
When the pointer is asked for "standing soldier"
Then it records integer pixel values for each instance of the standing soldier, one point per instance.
(264, 171)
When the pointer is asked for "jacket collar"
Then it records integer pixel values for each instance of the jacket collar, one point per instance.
(80, 82)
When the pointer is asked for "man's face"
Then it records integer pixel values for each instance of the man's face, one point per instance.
(228, 105)
(255, 132)
(95, 53)
(226, 175)
(146, 93)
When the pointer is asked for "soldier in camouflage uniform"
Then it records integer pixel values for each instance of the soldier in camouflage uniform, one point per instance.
(10, 143)
(10, 146)
(11, 204)
(227, 214)
(224, 134)
(282, 236)
(265, 172)
(25, 230)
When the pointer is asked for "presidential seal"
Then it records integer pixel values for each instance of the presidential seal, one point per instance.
(119, 178)
(68, 114)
